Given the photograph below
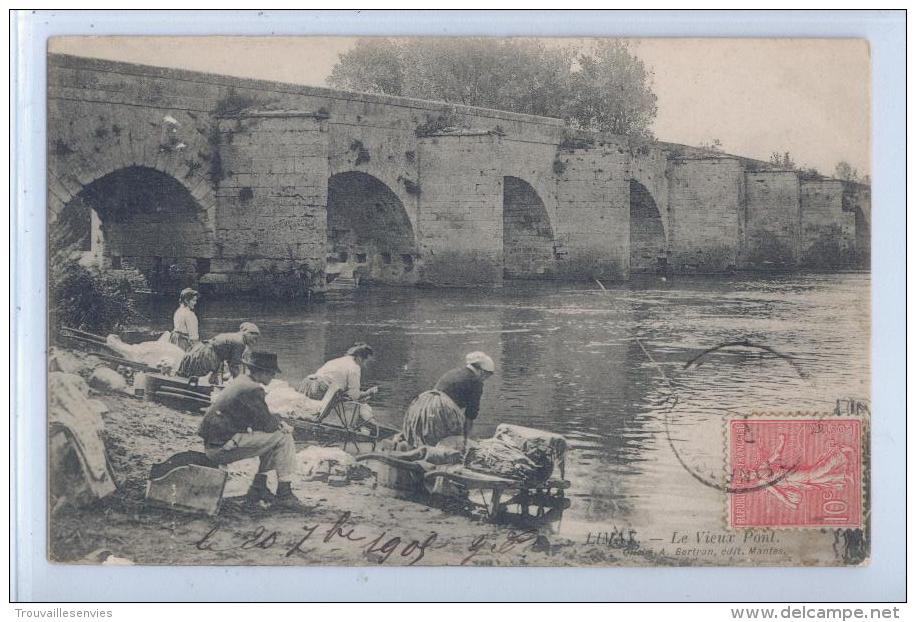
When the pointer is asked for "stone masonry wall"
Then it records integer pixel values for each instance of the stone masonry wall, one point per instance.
(593, 215)
(530, 239)
(860, 202)
(704, 198)
(144, 219)
(369, 234)
(647, 232)
(372, 134)
(89, 139)
(460, 225)
(772, 220)
(649, 167)
(272, 197)
(828, 232)
(388, 154)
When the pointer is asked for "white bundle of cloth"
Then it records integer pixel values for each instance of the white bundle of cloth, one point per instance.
(76, 430)
(284, 400)
(153, 353)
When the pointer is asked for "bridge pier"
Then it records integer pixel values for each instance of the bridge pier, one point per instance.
(460, 221)
(270, 169)
(593, 212)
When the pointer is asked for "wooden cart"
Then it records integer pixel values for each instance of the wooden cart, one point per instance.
(339, 421)
(494, 498)
(500, 499)
(175, 392)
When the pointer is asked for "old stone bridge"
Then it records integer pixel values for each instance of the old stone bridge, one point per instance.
(228, 182)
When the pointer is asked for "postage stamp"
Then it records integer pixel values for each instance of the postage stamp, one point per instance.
(795, 472)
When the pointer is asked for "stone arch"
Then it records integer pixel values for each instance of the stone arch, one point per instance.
(369, 233)
(528, 237)
(88, 140)
(387, 161)
(142, 218)
(647, 232)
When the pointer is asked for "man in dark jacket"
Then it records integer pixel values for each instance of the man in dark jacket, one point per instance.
(238, 425)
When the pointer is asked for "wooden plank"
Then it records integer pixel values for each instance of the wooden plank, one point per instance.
(126, 362)
(86, 335)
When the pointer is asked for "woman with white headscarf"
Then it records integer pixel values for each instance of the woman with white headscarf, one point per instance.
(208, 357)
(451, 407)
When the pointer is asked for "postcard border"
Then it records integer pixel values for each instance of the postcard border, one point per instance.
(35, 579)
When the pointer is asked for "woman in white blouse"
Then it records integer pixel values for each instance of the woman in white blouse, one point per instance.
(185, 334)
(345, 373)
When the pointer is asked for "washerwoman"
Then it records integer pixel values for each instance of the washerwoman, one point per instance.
(345, 373)
(185, 332)
(207, 357)
(451, 407)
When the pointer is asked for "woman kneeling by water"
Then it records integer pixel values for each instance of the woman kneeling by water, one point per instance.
(451, 407)
(345, 373)
(208, 357)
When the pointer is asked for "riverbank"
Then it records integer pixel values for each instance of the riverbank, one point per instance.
(358, 524)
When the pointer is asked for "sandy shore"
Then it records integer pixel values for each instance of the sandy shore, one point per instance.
(358, 524)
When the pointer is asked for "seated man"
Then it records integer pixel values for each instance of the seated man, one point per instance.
(238, 425)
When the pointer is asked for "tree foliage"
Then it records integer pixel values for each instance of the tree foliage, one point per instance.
(604, 86)
(85, 296)
(846, 172)
(612, 91)
(713, 145)
(373, 66)
(783, 160)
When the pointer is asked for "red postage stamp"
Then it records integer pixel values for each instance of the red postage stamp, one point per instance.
(795, 472)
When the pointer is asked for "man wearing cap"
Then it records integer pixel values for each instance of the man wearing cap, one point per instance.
(207, 357)
(238, 425)
(451, 407)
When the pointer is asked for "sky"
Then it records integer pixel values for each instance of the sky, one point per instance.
(810, 97)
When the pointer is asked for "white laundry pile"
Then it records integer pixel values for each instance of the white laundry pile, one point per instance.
(106, 379)
(284, 400)
(79, 468)
(153, 353)
(323, 463)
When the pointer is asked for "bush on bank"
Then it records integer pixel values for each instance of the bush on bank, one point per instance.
(90, 299)
(83, 296)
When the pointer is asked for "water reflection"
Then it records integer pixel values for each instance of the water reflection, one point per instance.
(568, 360)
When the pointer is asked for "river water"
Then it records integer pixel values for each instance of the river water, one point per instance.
(600, 367)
